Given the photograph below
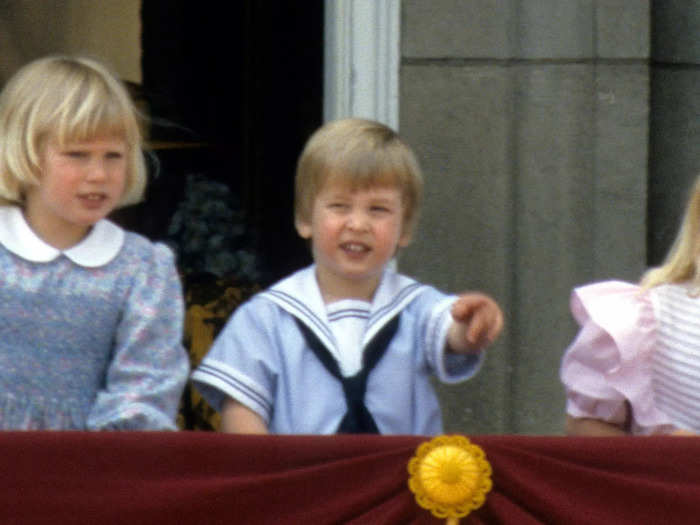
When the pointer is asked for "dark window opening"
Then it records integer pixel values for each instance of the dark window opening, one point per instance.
(232, 95)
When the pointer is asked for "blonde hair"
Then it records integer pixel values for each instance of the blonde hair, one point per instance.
(681, 263)
(360, 153)
(64, 99)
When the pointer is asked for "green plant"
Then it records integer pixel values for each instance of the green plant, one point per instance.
(210, 234)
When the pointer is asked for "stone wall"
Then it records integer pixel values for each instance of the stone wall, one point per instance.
(110, 31)
(531, 120)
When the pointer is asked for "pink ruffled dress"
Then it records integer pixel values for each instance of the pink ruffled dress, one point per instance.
(636, 346)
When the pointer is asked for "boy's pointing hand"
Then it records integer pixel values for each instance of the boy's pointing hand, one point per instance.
(478, 320)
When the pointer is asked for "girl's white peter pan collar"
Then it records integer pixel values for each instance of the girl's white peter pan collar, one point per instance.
(98, 248)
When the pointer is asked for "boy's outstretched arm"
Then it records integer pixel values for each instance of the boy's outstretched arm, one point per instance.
(478, 320)
(237, 418)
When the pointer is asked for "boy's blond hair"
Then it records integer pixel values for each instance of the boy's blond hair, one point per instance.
(360, 153)
(681, 263)
(64, 99)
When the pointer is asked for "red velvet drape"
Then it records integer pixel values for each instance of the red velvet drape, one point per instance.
(206, 478)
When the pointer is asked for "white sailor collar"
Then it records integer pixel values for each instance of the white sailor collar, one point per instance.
(100, 246)
(300, 295)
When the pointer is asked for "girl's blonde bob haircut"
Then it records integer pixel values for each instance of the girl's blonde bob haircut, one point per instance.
(362, 154)
(681, 264)
(64, 99)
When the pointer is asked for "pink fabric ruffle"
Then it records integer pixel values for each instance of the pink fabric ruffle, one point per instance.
(609, 362)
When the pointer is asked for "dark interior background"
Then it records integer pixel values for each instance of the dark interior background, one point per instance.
(231, 93)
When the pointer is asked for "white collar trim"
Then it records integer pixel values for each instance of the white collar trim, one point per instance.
(98, 248)
(300, 295)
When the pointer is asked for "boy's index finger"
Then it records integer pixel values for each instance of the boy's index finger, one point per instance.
(476, 330)
(481, 315)
(466, 305)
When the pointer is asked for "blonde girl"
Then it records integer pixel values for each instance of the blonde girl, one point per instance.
(91, 314)
(634, 367)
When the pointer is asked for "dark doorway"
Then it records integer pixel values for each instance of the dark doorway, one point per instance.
(233, 93)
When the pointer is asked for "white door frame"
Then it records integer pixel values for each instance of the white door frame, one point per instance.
(361, 60)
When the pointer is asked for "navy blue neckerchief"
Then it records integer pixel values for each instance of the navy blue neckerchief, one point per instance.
(357, 420)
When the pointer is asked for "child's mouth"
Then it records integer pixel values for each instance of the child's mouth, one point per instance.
(353, 247)
(93, 199)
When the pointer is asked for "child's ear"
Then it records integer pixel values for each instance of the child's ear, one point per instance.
(405, 238)
(303, 228)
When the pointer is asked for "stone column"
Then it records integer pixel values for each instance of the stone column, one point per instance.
(531, 122)
(674, 162)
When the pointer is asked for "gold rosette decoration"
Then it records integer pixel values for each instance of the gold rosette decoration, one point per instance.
(449, 476)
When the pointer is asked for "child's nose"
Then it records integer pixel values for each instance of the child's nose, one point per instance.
(97, 171)
(357, 221)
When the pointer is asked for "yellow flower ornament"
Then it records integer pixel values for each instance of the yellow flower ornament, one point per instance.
(449, 476)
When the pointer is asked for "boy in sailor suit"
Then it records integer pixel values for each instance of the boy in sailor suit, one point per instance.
(348, 344)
